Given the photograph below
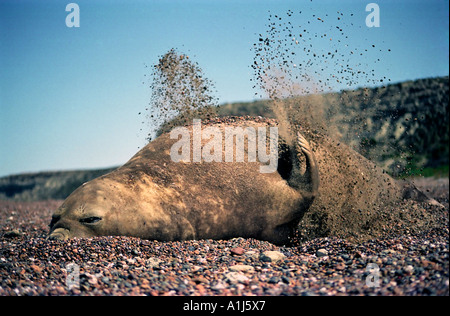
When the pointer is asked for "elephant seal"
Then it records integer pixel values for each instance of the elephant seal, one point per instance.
(153, 197)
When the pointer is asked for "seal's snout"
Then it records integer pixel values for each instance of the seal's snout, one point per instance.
(59, 234)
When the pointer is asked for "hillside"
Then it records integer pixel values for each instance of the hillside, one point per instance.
(45, 185)
(403, 127)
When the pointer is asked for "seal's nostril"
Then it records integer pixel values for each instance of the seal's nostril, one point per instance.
(60, 225)
(56, 237)
(59, 234)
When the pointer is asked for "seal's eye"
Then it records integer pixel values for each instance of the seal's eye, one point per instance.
(90, 220)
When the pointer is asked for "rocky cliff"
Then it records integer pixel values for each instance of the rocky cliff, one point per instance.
(45, 185)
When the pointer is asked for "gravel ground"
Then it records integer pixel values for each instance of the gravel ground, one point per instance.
(413, 264)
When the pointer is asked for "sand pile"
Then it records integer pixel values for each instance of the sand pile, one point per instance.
(359, 200)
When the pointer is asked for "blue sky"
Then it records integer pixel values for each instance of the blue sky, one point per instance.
(70, 97)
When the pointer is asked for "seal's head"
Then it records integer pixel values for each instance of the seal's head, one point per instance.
(106, 206)
(85, 213)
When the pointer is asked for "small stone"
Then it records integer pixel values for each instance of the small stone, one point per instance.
(12, 233)
(238, 251)
(323, 290)
(92, 279)
(242, 268)
(218, 286)
(274, 280)
(106, 280)
(236, 277)
(153, 262)
(271, 256)
(340, 266)
(36, 268)
(409, 269)
(135, 252)
(252, 254)
(200, 279)
(321, 253)
(60, 289)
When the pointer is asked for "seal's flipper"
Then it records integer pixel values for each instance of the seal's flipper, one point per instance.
(308, 182)
(312, 171)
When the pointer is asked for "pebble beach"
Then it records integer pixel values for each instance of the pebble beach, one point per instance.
(409, 264)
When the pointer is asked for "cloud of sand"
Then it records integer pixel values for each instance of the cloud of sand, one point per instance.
(295, 66)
